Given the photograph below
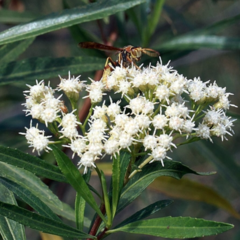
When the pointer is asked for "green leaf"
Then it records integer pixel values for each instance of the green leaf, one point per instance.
(32, 183)
(66, 18)
(153, 21)
(190, 41)
(75, 179)
(145, 212)
(30, 163)
(115, 183)
(119, 168)
(11, 51)
(9, 229)
(220, 25)
(29, 198)
(40, 223)
(106, 199)
(141, 180)
(190, 190)
(14, 17)
(45, 68)
(175, 227)
(80, 205)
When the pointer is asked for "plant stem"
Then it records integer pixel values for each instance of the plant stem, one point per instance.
(140, 167)
(97, 222)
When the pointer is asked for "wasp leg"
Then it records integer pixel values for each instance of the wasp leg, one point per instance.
(131, 61)
(109, 60)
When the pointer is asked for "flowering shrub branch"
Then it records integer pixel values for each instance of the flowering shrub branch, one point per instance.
(158, 111)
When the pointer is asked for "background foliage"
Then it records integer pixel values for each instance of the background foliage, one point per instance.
(201, 38)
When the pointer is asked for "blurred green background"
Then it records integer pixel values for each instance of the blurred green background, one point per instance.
(201, 38)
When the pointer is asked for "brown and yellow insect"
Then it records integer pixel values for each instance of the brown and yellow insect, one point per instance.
(126, 55)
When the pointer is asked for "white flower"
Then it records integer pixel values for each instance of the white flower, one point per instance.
(212, 117)
(176, 123)
(137, 104)
(165, 141)
(96, 95)
(213, 91)
(124, 87)
(203, 131)
(188, 126)
(158, 154)
(220, 131)
(37, 90)
(178, 86)
(111, 146)
(95, 85)
(52, 102)
(162, 93)
(95, 136)
(142, 121)
(40, 143)
(98, 124)
(152, 78)
(36, 139)
(131, 126)
(139, 79)
(95, 148)
(121, 119)
(49, 115)
(148, 107)
(36, 111)
(160, 121)
(99, 112)
(113, 109)
(32, 132)
(78, 146)
(87, 161)
(69, 132)
(150, 142)
(71, 85)
(125, 140)
(69, 119)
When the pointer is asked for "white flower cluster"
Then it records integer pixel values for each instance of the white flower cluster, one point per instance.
(41, 103)
(36, 139)
(157, 106)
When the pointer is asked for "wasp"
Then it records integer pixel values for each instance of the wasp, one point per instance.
(126, 56)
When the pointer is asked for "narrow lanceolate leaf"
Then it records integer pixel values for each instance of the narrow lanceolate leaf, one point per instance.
(80, 205)
(175, 227)
(75, 179)
(32, 183)
(66, 18)
(26, 196)
(11, 51)
(40, 223)
(45, 68)
(146, 212)
(153, 21)
(190, 41)
(119, 168)
(9, 229)
(30, 163)
(141, 180)
(115, 183)
(190, 190)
